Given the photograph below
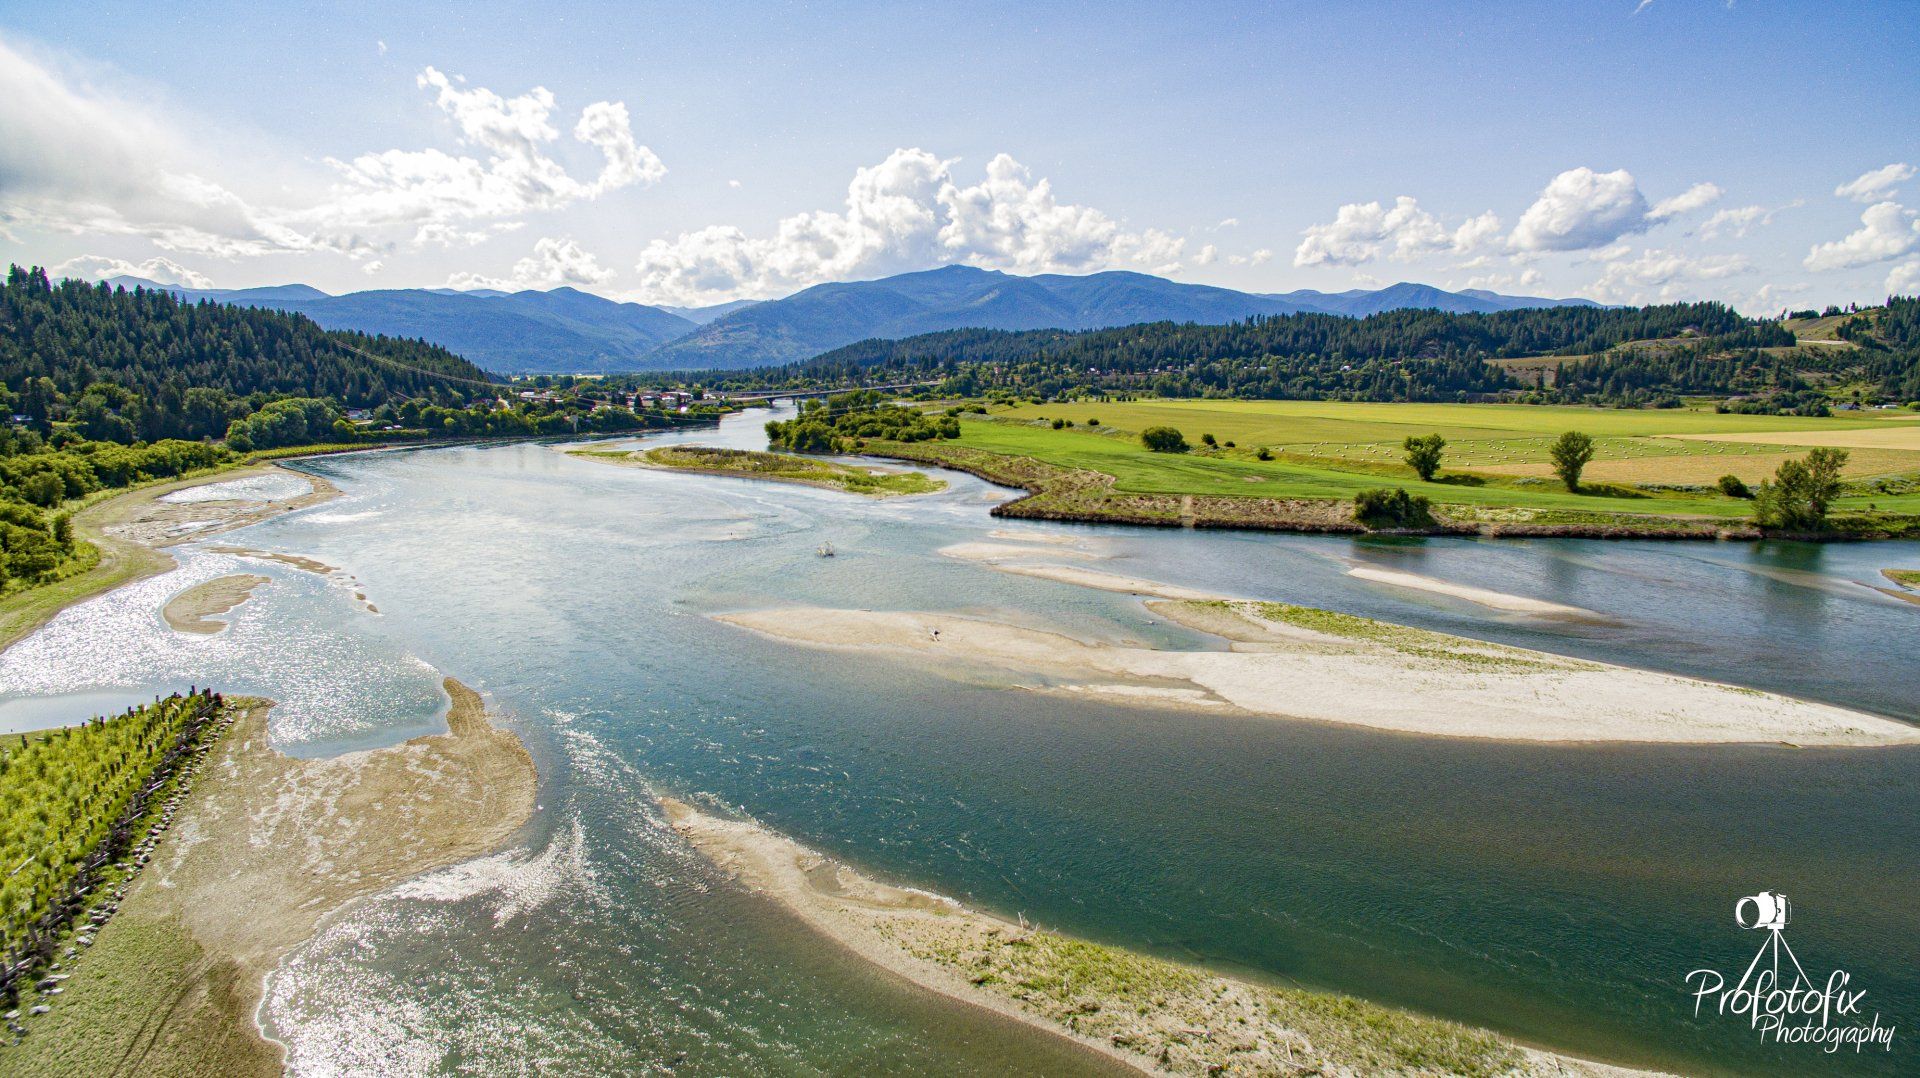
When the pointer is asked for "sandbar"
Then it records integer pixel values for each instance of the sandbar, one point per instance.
(1298, 663)
(995, 552)
(1495, 600)
(1002, 556)
(1158, 1016)
(298, 561)
(191, 611)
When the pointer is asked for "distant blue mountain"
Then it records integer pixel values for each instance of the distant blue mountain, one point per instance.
(827, 316)
(1360, 302)
(955, 297)
(567, 330)
(700, 316)
(564, 330)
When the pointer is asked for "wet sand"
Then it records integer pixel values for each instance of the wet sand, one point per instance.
(1154, 1015)
(1005, 557)
(192, 610)
(265, 851)
(1495, 600)
(300, 562)
(1298, 663)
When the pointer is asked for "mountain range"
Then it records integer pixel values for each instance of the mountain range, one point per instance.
(567, 330)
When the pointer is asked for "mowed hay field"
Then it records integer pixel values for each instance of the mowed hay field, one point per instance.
(1329, 448)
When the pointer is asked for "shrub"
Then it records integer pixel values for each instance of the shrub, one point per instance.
(1207, 439)
(1164, 440)
(1264, 454)
(1059, 423)
(1380, 509)
(1734, 487)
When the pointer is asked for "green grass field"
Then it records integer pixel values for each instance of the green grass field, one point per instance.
(1331, 450)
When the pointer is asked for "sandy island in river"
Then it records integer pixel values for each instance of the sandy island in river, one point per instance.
(265, 850)
(1495, 600)
(1011, 557)
(1008, 558)
(1149, 1013)
(192, 610)
(1297, 662)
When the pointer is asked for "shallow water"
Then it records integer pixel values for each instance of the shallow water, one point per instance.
(1558, 893)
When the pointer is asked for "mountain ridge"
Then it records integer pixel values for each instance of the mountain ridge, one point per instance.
(566, 330)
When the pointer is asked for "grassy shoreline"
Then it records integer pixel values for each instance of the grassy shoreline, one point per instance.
(1089, 496)
(775, 467)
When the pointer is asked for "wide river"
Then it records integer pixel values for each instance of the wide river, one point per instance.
(1559, 894)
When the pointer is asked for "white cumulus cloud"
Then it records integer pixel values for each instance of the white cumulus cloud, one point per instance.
(908, 212)
(1662, 275)
(1696, 197)
(78, 159)
(554, 262)
(1887, 230)
(1363, 231)
(157, 270)
(440, 196)
(1737, 221)
(1904, 279)
(1876, 185)
(1581, 209)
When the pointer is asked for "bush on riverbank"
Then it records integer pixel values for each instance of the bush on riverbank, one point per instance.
(1392, 509)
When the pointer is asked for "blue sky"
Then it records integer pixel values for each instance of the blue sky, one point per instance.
(695, 153)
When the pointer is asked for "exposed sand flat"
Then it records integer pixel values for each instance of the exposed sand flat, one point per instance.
(1293, 662)
(142, 516)
(995, 552)
(1104, 581)
(1496, 600)
(1048, 538)
(298, 561)
(1006, 558)
(265, 850)
(191, 611)
(1155, 1015)
(1889, 434)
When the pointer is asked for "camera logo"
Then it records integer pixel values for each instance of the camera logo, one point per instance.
(1768, 909)
(1776, 996)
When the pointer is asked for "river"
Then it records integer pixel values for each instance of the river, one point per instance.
(1557, 893)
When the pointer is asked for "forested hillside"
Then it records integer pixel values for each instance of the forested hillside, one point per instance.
(1759, 369)
(1418, 355)
(143, 365)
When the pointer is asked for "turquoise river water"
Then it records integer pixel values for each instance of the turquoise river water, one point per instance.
(1558, 894)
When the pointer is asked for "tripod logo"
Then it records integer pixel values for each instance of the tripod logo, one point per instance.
(1778, 998)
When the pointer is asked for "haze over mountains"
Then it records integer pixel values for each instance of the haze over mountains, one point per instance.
(567, 330)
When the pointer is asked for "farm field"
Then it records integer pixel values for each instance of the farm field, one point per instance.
(1334, 449)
